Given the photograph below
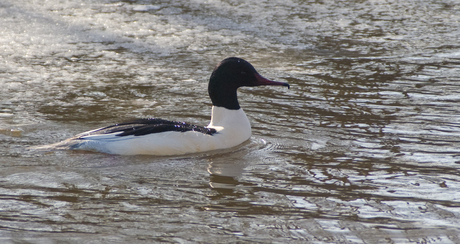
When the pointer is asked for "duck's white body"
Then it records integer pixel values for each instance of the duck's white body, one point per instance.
(232, 126)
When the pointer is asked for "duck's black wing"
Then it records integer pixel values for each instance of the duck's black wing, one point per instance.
(140, 127)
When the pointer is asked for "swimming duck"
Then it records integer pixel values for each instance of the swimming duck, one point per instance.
(228, 128)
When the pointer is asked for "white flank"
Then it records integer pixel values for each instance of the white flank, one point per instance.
(233, 128)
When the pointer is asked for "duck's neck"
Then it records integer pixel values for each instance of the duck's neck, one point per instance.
(229, 118)
(223, 94)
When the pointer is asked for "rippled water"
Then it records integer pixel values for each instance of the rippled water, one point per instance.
(363, 148)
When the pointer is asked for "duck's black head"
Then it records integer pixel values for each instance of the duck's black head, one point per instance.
(231, 74)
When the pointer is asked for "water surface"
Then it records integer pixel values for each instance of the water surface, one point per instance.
(363, 148)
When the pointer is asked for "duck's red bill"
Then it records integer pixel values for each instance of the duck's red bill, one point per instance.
(262, 81)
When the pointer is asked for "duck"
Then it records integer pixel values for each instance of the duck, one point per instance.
(228, 128)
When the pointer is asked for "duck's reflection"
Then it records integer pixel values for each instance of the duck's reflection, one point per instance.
(225, 169)
(224, 175)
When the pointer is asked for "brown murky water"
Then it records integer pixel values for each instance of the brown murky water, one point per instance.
(364, 147)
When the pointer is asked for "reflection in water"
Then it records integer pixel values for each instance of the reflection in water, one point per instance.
(364, 147)
(225, 169)
(224, 175)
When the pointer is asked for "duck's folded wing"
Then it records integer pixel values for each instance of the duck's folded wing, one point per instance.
(141, 127)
